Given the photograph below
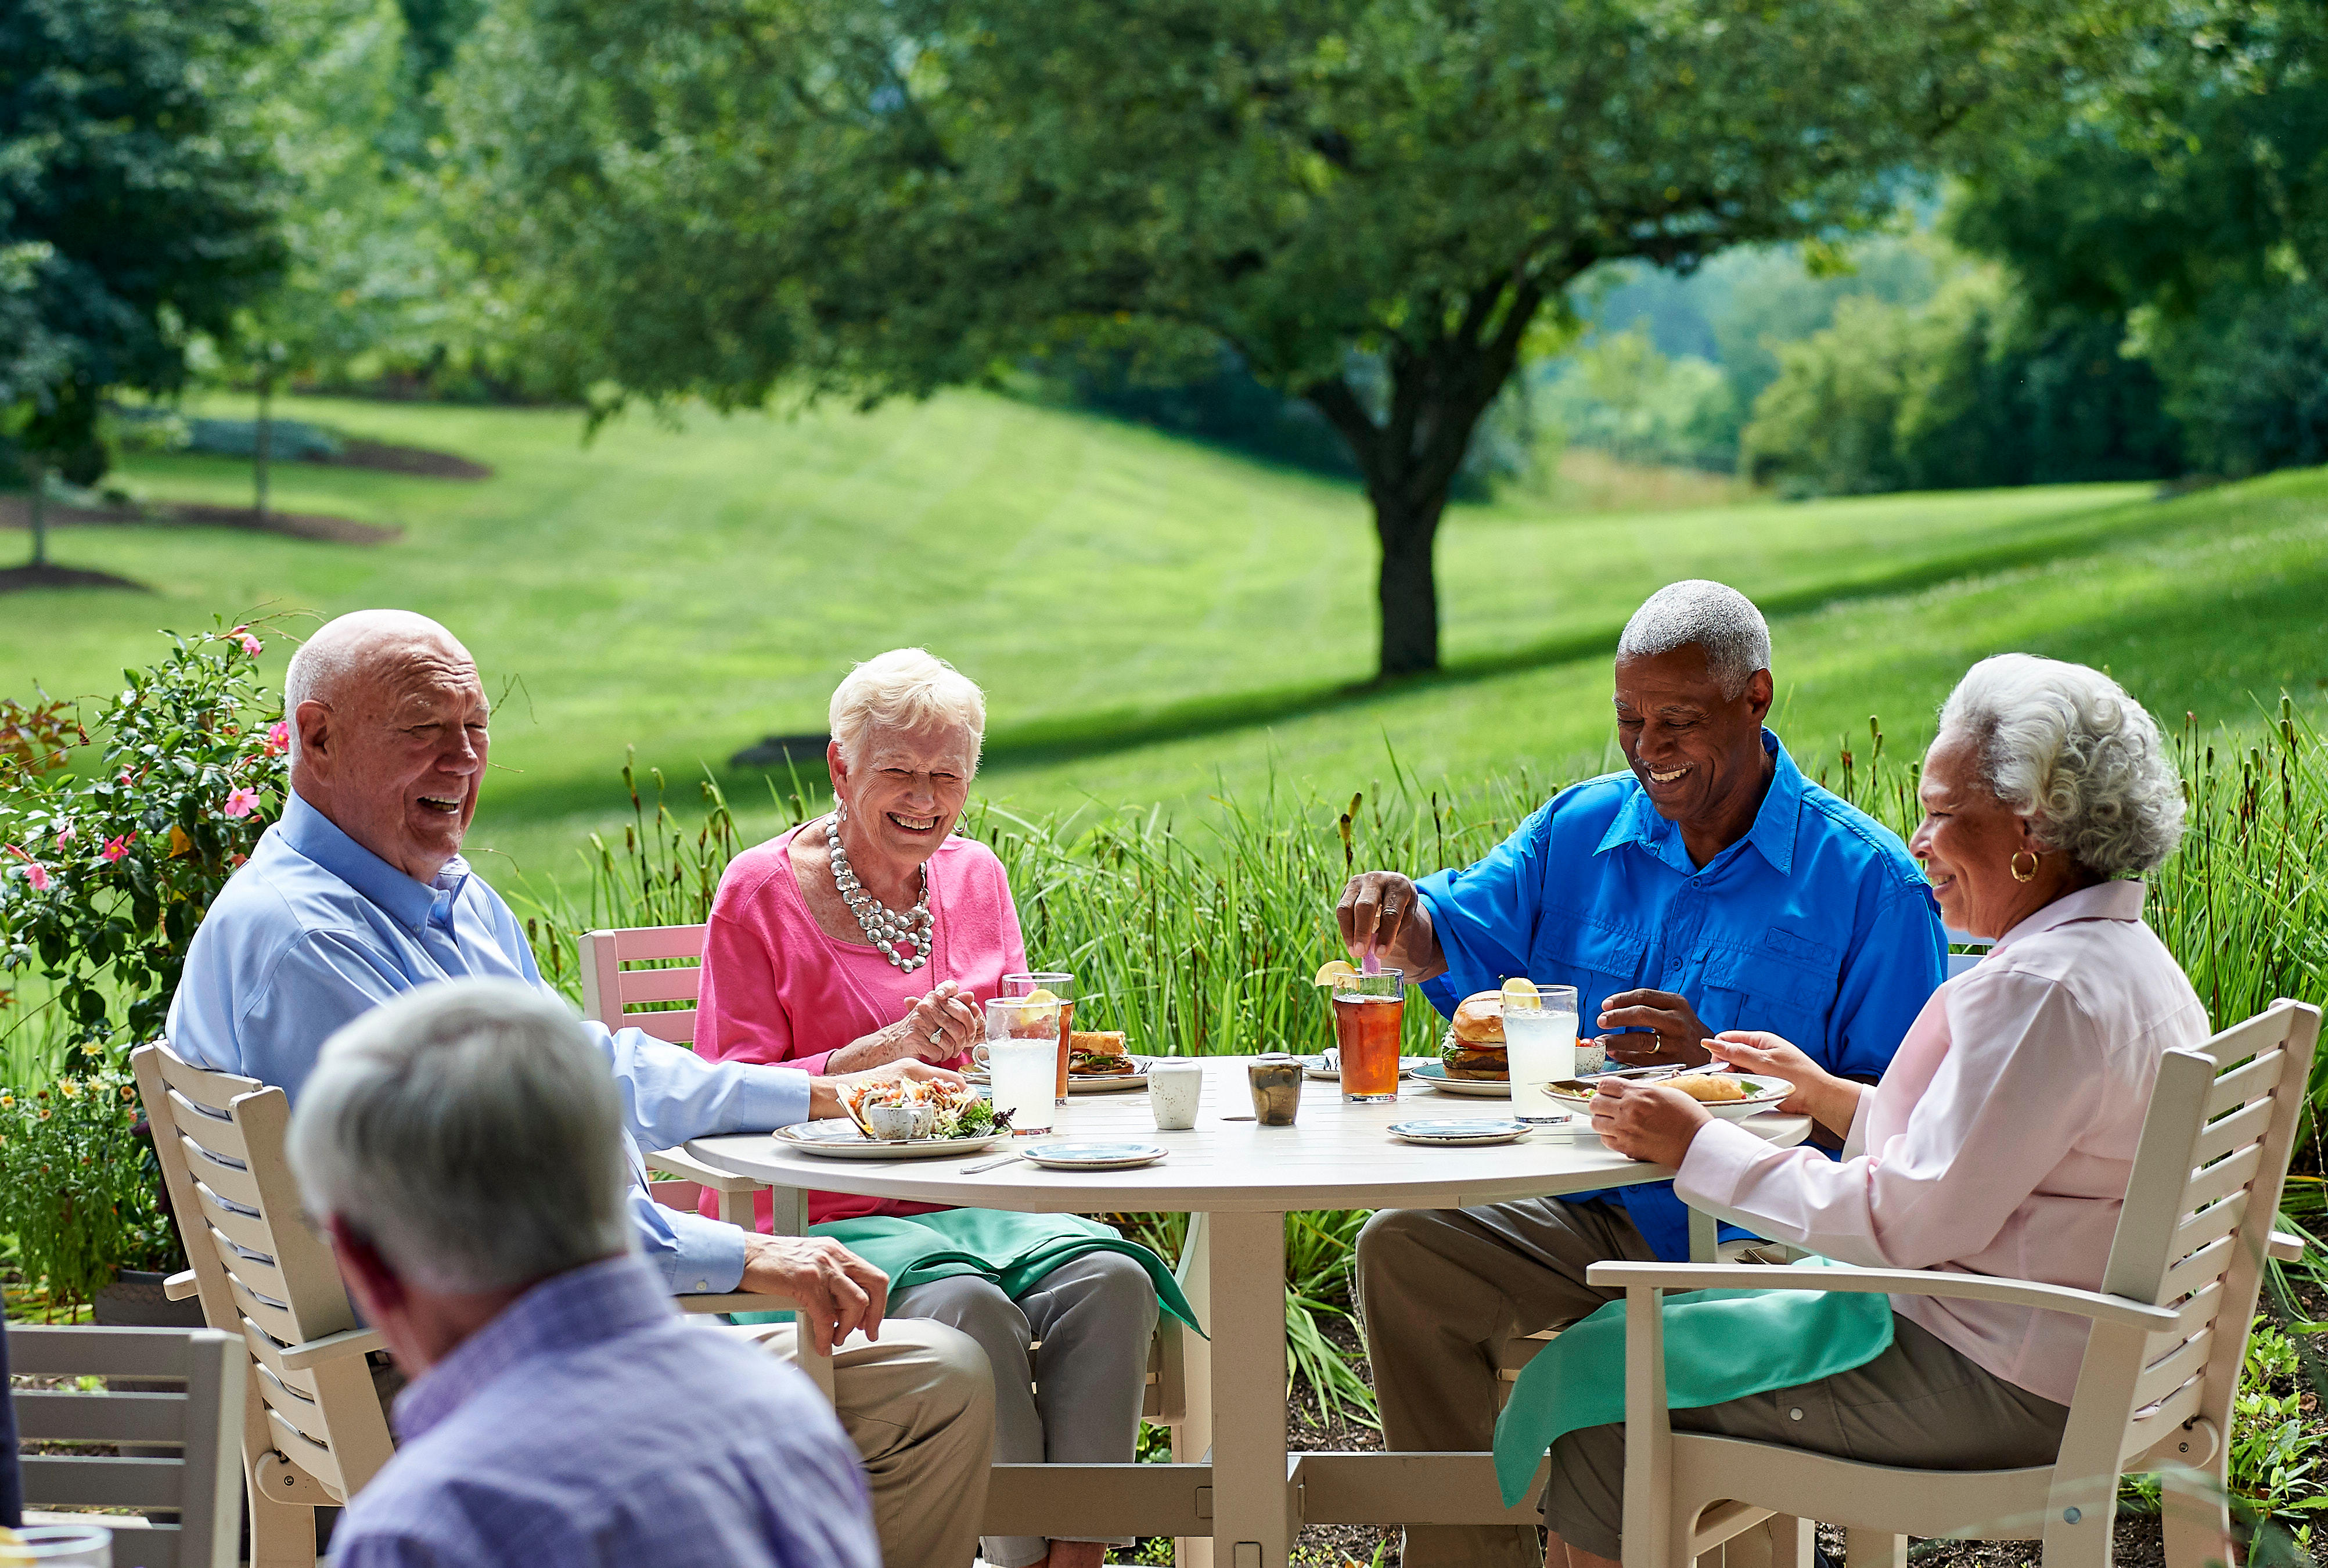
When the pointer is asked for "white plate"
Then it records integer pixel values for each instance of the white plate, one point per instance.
(1093, 1154)
(1315, 1068)
(1460, 1131)
(1435, 1075)
(837, 1138)
(1767, 1094)
(1090, 1083)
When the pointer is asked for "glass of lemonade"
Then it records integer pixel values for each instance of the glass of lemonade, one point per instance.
(1367, 1011)
(1022, 1045)
(1540, 1044)
(1050, 985)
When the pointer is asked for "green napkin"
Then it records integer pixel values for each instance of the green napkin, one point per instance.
(1013, 1250)
(1720, 1344)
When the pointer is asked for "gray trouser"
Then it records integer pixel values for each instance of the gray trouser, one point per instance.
(1076, 1401)
(1442, 1291)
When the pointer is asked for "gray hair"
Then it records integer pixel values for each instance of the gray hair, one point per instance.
(469, 1130)
(2065, 746)
(1714, 616)
(906, 689)
(339, 650)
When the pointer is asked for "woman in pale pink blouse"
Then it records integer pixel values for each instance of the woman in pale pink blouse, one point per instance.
(2001, 1139)
(873, 934)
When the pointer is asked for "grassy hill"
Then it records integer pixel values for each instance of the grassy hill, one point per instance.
(1151, 620)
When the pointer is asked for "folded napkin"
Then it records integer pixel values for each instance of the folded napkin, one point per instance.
(1720, 1344)
(1013, 1250)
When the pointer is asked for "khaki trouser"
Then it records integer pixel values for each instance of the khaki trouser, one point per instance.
(919, 1404)
(1442, 1291)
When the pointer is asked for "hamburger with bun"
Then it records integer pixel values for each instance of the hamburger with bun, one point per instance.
(1473, 1047)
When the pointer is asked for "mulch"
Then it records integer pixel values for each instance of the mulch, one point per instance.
(393, 459)
(17, 579)
(16, 512)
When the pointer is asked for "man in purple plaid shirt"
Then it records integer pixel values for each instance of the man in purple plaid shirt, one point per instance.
(464, 1145)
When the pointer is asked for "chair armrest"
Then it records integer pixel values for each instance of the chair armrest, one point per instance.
(679, 1162)
(179, 1286)
(2089, 1304)
(734, 1301)
(2284, 1248)
(331, 1347)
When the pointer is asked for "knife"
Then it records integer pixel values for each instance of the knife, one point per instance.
(991, 1164)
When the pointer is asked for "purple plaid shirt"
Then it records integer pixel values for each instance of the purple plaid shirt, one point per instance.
(589, 1425)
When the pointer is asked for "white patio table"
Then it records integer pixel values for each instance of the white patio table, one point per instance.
(1233, 1489)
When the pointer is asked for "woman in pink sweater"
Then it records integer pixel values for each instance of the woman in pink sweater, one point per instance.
(872, 934)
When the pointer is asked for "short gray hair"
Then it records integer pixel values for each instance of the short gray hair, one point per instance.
(470, 1131)
(2065, 746)
(906, 689)
(1715, 616)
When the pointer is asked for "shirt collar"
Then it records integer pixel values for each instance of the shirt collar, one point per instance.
(2120, 900)
(1772, 834)
(413, 903)
(569, 1311)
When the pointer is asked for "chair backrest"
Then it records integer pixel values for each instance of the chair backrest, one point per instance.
(610, 990)
(1976, 949)
(201, 1482)
(260, 1269)
(2197, 1219)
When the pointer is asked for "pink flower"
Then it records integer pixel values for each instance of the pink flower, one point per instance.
(241, 803)
(37, 875)
(278, 738)
(64, 835)
(116, 848)
(252, 645)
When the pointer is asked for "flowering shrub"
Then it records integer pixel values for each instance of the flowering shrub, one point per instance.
(77, 1186)
(109, 861)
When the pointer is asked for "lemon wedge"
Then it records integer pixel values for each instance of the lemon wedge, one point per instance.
(1520, 993)
(1036, 1006)
(1039, 998)
(1334, 972)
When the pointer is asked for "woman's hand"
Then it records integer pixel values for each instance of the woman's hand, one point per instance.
(942, 1025)
(1829, 1101)
(1646, 1120)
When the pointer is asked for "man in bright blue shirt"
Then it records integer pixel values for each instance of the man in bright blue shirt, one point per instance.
(359, 895)
(1709, 887)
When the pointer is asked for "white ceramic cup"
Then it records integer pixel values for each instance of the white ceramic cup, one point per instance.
(1172, 1090)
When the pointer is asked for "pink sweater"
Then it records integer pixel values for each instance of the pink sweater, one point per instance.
(776, 988)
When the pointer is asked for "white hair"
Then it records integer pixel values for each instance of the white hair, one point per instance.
(906, 689)
(340, 649)
(470, 1131)
(2065, 746)
(1714, 616)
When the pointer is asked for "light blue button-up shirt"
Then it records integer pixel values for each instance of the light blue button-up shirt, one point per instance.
(587, 1427)
(317, 929)
(1817, 925)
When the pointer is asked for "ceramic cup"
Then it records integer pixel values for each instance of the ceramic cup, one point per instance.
(898, 1122)
(1172, 1090)
(1591, 1057)
(1276, 1080)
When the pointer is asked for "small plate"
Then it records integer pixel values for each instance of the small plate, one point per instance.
(1460, 1131)
(1435, 1074)
(1090, 1154)
(1314, 1066)
(837, 1138)
(1767, 1094)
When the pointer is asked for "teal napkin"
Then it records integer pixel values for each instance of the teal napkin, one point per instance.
(1720, 1344)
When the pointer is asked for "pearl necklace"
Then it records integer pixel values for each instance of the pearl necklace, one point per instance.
(883, 927)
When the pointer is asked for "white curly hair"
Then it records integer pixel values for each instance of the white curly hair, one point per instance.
(1715, 616)
(906, 689)
(2065, 746)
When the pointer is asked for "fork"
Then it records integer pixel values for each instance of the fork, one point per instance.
(991, 1164)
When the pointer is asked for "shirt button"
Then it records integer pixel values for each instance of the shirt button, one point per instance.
(706, 1284)
(1795, 1414)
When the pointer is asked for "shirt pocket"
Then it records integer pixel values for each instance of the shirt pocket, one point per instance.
(1601, 959)
(1783, 983)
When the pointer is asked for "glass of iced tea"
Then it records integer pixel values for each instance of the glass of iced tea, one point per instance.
(1367, 1011)
(1050, 985)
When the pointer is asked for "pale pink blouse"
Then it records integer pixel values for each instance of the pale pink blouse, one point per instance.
(776, 988)
(1999, 1141)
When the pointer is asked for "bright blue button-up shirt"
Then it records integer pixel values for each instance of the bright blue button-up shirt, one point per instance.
(588, 1427)
(317, 929)
(1817, 925)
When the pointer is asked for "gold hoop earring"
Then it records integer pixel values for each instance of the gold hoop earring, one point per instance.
(2018, 874)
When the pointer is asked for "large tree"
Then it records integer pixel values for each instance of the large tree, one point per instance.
(1374, 201)
(135, 207)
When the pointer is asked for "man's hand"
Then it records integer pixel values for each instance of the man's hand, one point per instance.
(1679, 1040)
(1646, 1120)
(836, 1290)
(1829, 1101)
(1381, 907)
(824, 1094)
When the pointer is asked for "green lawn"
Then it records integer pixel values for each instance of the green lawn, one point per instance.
(1150, 619)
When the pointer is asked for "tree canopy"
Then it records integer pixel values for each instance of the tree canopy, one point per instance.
(1373, 203)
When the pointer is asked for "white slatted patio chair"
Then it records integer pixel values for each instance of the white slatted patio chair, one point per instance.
(313, 1428)
(200, 1424)
(2153, 1392)
(621, 997)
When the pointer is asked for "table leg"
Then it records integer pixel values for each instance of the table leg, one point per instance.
(1252, 1507)
(791, 1207)
(1192, 1440)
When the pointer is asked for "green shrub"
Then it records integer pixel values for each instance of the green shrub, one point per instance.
(77, 1186)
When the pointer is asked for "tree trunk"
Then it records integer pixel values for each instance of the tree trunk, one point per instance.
(40, 503)
(1406, 586)
(262, 444)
